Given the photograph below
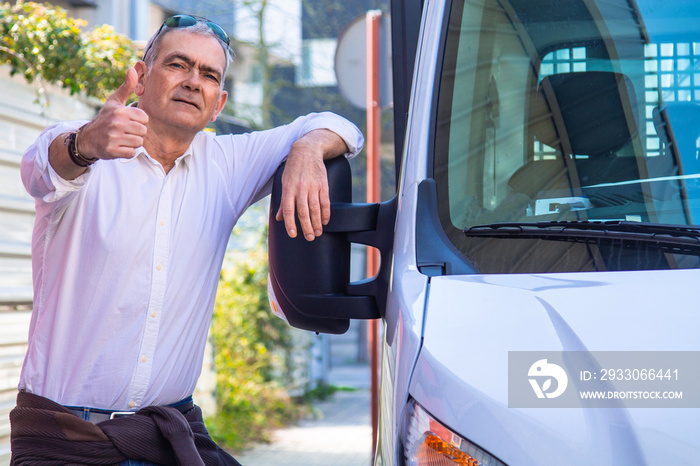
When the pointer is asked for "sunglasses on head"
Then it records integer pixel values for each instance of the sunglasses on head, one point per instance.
(185, 21)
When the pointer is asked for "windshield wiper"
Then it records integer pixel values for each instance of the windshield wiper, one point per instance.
(673, 238)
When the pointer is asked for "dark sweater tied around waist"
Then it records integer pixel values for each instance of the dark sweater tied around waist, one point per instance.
(46, 433)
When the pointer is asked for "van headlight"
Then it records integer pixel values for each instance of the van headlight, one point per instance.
(428, 442)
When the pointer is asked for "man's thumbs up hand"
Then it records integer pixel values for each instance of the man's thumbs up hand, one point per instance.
(117, 130)
(122, 94)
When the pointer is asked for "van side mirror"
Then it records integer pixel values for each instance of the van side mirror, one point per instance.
(309, 282)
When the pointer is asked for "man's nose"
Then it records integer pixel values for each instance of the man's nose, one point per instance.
(192, 82)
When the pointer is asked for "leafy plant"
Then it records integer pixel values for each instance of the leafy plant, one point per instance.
(43, 43)
(107, 57)
(252, 350)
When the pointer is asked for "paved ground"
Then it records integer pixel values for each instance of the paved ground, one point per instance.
(339, 434)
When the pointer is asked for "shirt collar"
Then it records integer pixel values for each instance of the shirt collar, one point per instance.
(142, 152)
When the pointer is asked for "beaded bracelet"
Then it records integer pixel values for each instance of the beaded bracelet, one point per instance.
(76, 158)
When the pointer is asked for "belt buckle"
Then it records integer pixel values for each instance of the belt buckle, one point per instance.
(116, 414)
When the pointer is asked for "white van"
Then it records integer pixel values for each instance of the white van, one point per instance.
(539, 283)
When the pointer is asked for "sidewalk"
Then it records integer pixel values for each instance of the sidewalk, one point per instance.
(339, 432)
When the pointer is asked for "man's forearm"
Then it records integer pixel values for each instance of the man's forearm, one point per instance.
(324, 140)
(60, 159)
(305, 182)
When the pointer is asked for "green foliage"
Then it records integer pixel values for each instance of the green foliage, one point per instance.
(327, 19)
(252, 349)
(108, 56)
(324, 391)
(42, 42)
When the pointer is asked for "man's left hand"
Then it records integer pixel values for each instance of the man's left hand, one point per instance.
(305, 183)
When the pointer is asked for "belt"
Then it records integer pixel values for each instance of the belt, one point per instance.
(96, 415)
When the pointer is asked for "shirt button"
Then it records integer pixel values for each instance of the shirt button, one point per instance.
(154, 314)
(132, 404)
(158, 267)
(144, 359)
(162, 223)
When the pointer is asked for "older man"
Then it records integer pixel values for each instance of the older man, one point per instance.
(134, 210)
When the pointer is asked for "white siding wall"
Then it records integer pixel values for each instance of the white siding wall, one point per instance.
(21, 121)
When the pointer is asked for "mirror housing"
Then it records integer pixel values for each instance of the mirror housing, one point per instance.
(309, 282)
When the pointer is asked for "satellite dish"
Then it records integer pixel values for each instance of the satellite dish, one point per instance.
(351, 62)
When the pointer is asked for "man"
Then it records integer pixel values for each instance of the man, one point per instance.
(134, 210)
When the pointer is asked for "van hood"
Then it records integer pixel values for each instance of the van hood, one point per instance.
(472, 322)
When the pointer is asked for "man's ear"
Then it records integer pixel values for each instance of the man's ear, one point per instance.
(142, 70)
(219, 105)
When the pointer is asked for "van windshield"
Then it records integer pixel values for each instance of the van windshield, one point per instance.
(579, 111)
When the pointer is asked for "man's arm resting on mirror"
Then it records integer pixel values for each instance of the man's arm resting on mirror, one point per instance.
(305, 182)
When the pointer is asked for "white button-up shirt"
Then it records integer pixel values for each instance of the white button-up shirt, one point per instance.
(126, 262)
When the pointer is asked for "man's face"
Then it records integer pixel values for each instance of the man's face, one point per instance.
(183, 88)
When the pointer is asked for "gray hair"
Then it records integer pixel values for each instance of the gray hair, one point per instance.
(153, 45)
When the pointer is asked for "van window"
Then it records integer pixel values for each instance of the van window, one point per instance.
(578, 112)
(563, 61)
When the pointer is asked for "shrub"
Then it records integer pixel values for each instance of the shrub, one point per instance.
(252, 350)
(42, 42)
